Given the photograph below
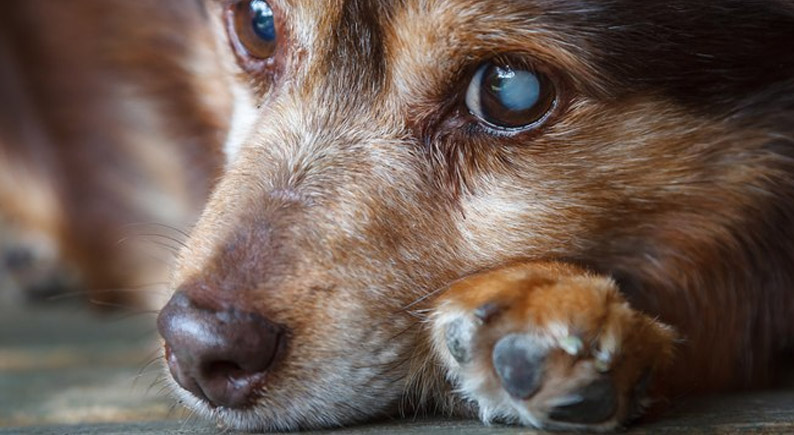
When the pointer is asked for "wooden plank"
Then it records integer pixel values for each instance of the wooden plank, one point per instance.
(66, 370)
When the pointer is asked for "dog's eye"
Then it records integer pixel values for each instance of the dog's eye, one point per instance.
(509, 98)
(254, 28)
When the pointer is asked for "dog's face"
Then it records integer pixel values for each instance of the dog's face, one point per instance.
(381, 150)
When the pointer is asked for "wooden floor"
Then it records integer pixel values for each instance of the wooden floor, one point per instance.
(66, 370)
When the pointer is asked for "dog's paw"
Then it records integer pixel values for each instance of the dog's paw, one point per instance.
(548, 345)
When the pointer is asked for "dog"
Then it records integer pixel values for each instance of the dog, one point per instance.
(539, 212)
(546, 213)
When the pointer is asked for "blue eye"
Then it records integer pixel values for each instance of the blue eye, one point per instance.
(253, 29)
(509, 98)
(262, 20)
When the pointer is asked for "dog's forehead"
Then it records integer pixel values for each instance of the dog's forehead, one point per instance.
(461, 22)
(681, 48)
(420, 43)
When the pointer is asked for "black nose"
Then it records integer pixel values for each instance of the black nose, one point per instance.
(219, 356)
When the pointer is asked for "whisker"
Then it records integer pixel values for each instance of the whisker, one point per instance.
(173, 407)
(187, 420)
(158, 382)
(167, 261)
(163, 389)
(158, 224)
(397, 335)
(170, 248)
(179, 242)
(146, 366)
(143, 288)
(435, 292)
(226, 429)
(423, 298)
(131, 310)
(152, 239)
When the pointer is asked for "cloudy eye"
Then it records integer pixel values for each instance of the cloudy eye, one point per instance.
(253, 28)
(509, 98)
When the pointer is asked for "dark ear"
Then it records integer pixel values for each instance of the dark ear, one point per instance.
(711, 53)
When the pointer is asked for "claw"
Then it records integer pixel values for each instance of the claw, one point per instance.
(487, 311)
(603, 361)
(572, 345)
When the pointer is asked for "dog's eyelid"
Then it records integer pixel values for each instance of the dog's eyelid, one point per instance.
(515, 60)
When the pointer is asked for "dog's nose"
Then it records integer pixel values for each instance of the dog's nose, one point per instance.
(219, 356)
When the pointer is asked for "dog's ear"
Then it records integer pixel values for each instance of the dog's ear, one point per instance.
(702, 54)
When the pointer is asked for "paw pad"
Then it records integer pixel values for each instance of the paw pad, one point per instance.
(519, 360)
(594, 403)
(458, 336)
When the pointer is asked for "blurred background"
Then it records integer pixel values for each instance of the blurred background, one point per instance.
(112, 113)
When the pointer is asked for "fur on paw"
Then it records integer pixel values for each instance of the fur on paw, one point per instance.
(548, 345)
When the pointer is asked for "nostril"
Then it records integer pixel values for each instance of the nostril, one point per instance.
(227, 380)
(224, 368)
(183, 378)
(219, 356)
